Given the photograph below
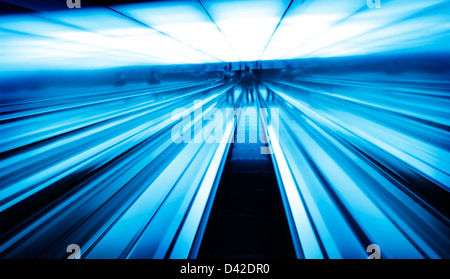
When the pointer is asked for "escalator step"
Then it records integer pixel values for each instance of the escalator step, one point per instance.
(247, 219)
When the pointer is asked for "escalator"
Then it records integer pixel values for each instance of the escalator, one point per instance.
(247, 219)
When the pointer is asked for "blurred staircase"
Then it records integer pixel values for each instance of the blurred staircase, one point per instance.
(247, 219)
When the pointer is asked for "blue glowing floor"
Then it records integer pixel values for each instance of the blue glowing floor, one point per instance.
(367, 163)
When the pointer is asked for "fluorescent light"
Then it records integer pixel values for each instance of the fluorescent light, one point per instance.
(247, 25)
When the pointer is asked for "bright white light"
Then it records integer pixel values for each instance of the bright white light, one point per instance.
(247, 25)
(341, 38)
(303, 23)
(93, 38)
(186, 22)
(99, 20)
